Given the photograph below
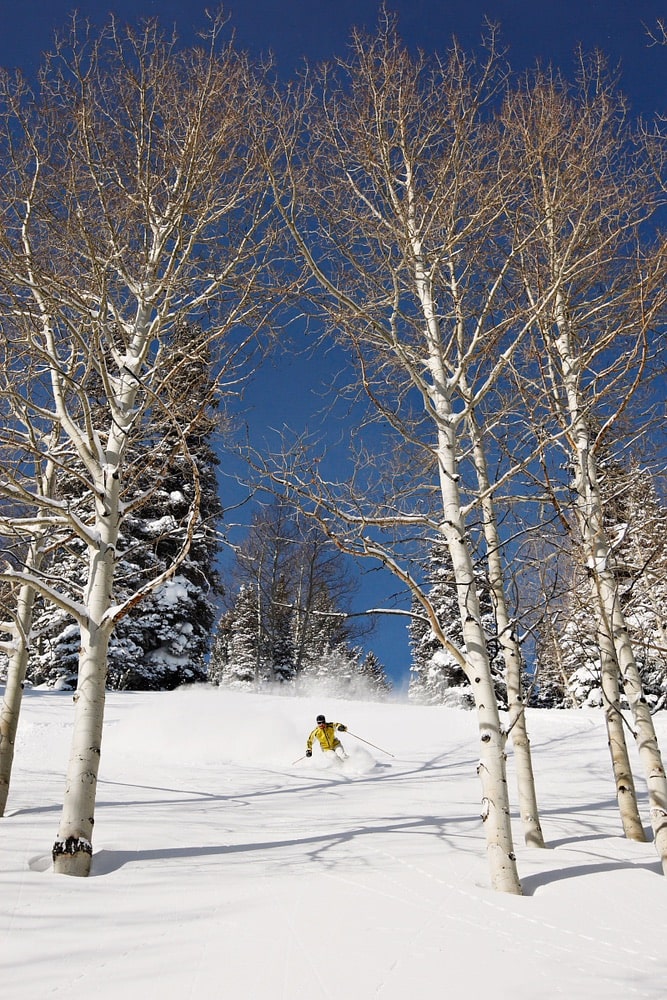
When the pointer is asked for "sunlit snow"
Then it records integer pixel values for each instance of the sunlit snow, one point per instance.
(222, 868)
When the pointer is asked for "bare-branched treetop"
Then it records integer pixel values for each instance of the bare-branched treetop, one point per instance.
(132, 205)
(389, 187)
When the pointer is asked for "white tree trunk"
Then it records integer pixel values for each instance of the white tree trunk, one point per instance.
(16, 671)
(506, 633)
(491, 769)
(590, 515)
(18, 658)
(626, 795)
(73, 848)
(647, 740)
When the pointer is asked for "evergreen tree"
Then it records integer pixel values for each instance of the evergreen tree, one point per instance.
(301, 587)
(436, 678)
(165, 640)
(636, 522)
(281, 653)
(375, 676)
(581, 658)
(324, 627)
(550, 683)
(335, 672)
(236, 660)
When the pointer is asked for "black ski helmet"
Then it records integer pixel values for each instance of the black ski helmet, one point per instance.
(320, 718)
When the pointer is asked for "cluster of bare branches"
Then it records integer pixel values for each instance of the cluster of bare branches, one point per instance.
(133, 207)
(479, 248)
(480, 251)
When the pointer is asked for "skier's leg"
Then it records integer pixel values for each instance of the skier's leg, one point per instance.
(340, 751)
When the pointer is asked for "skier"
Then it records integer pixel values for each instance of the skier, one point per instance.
(325, 734)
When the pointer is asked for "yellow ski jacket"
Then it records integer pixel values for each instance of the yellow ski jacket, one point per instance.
(326, 736)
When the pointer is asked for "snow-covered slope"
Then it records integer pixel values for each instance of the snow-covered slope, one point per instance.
(222, 869)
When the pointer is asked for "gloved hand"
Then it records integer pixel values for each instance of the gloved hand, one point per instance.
(309, 753)
(342, 729)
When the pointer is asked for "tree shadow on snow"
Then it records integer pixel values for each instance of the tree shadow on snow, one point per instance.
(531, 883)
(314, 847)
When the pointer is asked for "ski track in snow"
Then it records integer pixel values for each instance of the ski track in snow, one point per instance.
(214, 855)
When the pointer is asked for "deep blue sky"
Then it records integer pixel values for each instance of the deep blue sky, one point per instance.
(548, 30)
(545, 29)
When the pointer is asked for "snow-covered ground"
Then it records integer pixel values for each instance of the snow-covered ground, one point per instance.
(222, 869)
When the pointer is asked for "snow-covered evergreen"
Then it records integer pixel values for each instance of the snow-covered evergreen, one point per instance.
(549, 687)
(436, 678)
(638, 524)
(164, 641)
(569, 657)
(236, 659)
(374, 675)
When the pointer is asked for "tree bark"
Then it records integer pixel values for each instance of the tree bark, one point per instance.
(518, 729)
(646, 737)
(16, 672)
(72, 850)
(18, 658)
(73, 847)
(626, 795)
(492, 770)
(134, 202)
(597, 551)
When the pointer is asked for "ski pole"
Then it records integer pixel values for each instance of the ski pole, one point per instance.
(298, 759)
(369, 744)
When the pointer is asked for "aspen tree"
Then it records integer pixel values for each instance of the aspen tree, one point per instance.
(132, 206)
(588, 196)
(392, 198)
